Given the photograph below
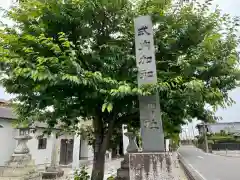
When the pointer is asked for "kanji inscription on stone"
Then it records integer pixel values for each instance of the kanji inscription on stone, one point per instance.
(150, 117)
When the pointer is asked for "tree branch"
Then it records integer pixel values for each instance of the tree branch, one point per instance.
(127, 117)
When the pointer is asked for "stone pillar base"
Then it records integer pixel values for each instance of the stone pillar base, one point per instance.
(20, 167)
(123, 172)
(35, 176)
(154, 166)
(52, 173)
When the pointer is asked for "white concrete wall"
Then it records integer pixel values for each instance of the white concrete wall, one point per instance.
(76, 152)
(167, 142)
(86, 150)
(125, 139)
(90, 152)
(40, 156)
(7, 141)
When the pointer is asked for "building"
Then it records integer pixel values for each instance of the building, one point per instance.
(7, 133)
(228, 127)
(41, 147)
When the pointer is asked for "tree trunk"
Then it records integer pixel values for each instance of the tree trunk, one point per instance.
(98, 164)
(100, 147)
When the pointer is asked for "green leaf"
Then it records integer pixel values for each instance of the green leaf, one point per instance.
(78, 57)
(104, 107)
(109, 107)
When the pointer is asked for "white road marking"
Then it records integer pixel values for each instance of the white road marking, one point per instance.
(211, 154)
(203, 178)
(200, 175)
(200, 157)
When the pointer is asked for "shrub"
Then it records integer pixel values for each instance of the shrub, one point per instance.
(82, 174)
(111, 178)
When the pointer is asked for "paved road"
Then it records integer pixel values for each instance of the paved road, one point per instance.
(210, 166)
(228, 153)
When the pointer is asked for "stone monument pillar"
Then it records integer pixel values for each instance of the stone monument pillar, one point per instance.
(21, 166)
(153, 163)
(123, 172)
(54, 171)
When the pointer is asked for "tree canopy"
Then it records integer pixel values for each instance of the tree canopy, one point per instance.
(78, 57)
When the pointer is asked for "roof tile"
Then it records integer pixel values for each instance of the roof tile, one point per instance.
(7, 112)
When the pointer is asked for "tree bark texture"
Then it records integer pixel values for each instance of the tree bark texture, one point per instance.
(100, 147)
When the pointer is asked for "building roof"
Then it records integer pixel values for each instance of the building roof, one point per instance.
(3, 100)
(7, 113)
(219, 123)
(227, 123)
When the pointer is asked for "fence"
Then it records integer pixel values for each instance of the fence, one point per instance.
(224, 146)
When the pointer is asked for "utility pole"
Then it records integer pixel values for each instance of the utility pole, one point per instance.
(186, 135)
(193, 132)
(205, 137)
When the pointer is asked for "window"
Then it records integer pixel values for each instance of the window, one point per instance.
(42, 143)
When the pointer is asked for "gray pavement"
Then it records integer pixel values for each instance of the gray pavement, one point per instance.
(227, 153)
(210, 166)
(112, 166)
(110, 169)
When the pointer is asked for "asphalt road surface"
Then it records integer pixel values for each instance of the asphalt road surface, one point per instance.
(210, 166)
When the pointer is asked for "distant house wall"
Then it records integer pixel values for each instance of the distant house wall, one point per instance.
(125, 139)
(40, 156)
(8, 144)
(86, 151)
(7, 141)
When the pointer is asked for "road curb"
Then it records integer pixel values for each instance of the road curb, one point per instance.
(191, 175)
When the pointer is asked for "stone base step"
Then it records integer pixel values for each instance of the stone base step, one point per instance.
(34, 176)
(53, 174)
(125, 164)
(17, 172)
(123, 174)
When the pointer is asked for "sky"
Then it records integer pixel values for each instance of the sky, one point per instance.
(230, 114)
